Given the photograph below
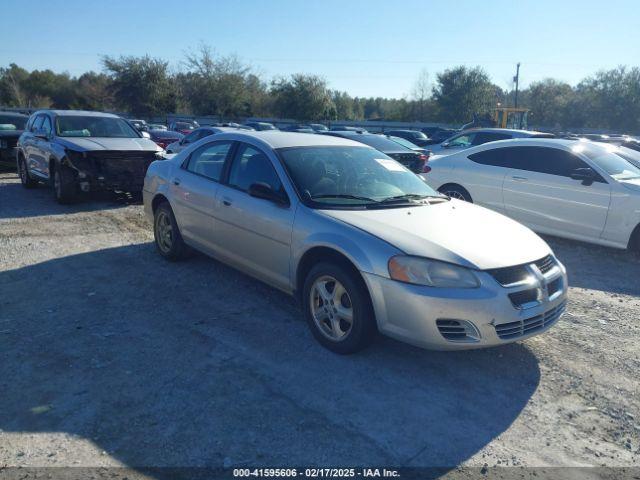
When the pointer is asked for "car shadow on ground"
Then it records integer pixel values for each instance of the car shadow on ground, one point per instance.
(21, 203)
(598, 268)
(195, 364)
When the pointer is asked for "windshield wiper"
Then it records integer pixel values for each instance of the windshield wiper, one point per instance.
(342, 195)
(409, 196)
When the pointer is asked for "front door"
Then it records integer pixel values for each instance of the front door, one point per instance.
(254, 233)
(541, 193)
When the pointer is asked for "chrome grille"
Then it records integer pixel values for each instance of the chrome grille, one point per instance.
(545, 264)
(523, 297)
(510, 275)
(511, 330)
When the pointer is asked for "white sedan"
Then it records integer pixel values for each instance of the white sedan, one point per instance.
(574, 189)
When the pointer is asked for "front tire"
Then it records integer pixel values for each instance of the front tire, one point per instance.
(166, 233)
(25, 177)
(338, 309)
(65, 190)
(456, 191)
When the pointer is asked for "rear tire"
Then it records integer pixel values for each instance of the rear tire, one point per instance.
(456, 191)
(65, 189)
(338, 309)
(166, 233)
(25, 177)
(634, 241)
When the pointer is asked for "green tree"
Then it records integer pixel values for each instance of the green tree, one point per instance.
(548, 100)
(141, 85)
(302, 97)
(460, 92)
(221, 86)
(94, 92)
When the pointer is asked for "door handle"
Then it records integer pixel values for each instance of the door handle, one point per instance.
(520, 179)
(226, 202)
(176, 181)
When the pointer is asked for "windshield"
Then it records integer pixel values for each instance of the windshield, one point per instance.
(350, 176)
(89, 126)
(614, 160)
(9, 122)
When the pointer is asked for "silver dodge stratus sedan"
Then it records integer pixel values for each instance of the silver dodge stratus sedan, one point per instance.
(363, 242)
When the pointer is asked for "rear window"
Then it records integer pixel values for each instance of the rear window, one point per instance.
(377, 142)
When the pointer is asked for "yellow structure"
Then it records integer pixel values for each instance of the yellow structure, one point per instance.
(510, 117)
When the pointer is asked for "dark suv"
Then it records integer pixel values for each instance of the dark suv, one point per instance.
(414, 136)
(83, 151)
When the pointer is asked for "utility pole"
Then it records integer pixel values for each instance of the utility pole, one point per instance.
(516, 79)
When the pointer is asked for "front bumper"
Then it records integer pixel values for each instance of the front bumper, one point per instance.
(419, 315)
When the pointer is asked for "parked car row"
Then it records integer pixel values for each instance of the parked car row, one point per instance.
(11, 127)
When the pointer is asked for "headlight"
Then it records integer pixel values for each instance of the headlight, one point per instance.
(422, 271)
(160, 155)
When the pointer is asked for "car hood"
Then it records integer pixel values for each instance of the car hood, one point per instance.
(87, 144)
(453, 231)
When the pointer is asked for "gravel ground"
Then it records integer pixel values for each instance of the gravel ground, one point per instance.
(110, 356)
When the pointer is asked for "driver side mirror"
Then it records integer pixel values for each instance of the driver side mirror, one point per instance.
(445, 144)
(145, 134)
(586, 175)
(264, 191)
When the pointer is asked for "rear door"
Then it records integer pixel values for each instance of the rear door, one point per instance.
(193, 189)
(539, 191)
(483, 176)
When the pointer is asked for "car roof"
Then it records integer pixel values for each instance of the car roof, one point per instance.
(505, 130)
(278, 139)
(84, 113)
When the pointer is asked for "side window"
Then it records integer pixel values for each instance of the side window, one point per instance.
(37, 124)
(465, 140)
(46, 125)
(551, 161)
(208, 160)
(485, 137)
(192, 137)
(494, 157)
(250, 166)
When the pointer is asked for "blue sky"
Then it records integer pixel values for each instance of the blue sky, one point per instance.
(368, 48)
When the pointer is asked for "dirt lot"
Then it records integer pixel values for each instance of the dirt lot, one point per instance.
(111, 356)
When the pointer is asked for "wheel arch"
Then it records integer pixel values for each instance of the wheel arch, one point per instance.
(322, 253)
(157, 200)
(634, 239)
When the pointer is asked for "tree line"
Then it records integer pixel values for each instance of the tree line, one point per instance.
(224, 86)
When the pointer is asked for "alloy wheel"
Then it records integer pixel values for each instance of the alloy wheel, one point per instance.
(23, 172)
(164, 231)
(331, 308)
(455, 194)
(57, 184)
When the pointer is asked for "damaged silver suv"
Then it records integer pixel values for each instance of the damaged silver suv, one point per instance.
(76, 151)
